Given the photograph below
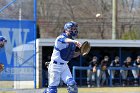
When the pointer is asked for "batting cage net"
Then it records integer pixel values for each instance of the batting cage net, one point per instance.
(18, 26)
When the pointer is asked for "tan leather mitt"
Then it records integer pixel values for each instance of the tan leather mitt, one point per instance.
(85, 48)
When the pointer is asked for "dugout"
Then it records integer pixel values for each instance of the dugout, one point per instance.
(100, 48)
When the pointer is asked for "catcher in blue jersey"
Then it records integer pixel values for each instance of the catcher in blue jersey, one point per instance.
(64, 51)
(2, 43)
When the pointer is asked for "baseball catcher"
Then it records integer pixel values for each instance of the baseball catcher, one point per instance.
(64, 50)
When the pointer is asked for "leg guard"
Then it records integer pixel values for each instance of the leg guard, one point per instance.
(72, 87)
(51, 89)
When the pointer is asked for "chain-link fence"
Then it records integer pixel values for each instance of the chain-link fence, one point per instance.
(18, 26)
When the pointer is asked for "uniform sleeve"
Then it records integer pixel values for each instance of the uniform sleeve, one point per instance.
(62, 39)
(112, 64)
(134, 64)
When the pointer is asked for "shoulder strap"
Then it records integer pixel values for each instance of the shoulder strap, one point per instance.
(56, 48)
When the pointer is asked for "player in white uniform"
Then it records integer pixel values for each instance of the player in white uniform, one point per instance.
(64, 51)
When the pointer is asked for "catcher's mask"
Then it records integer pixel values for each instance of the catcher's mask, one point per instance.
(72, 27)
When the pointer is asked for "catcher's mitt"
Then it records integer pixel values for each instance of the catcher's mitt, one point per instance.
(85, 48)
(1, 67)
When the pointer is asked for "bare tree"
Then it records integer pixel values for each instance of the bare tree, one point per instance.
(12, 11)
(129, 15)
(54, 13)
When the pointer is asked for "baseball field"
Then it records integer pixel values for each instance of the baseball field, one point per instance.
(82, 90)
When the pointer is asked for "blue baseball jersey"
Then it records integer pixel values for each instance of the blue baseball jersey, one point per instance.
(63, 51)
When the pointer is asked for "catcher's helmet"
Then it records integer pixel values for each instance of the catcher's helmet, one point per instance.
(72, 27)
(2, 39)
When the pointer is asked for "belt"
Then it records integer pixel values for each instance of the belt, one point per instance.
(55, 62)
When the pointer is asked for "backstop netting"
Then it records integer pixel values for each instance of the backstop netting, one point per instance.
(18, 26)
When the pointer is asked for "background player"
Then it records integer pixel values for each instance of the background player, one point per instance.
(102, 73)
(127, 63)
(136, 72)
(64, 51)
(115, 63)
(2, 43)
(91, 74)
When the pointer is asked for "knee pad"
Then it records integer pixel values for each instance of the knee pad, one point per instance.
(72, 87)
(51, 89)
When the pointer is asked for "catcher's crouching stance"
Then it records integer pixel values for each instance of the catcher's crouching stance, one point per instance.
(64, 51)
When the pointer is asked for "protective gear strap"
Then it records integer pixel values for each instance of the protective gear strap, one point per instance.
(67, 53)
(62, 40)
(56, 48)
(72, 87)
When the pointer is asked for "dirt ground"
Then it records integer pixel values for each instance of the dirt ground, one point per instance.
(81, 90)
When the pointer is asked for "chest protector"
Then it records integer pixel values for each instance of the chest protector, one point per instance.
(68, 52)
